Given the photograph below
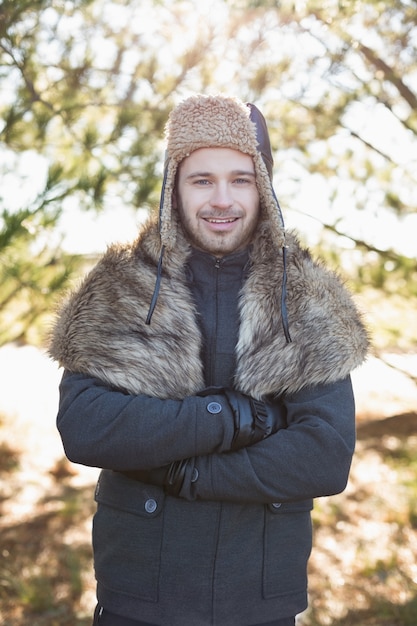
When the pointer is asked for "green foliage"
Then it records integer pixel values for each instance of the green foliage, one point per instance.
(87, 87)
(29, 285)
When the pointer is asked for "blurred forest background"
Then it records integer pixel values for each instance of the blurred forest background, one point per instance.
(85, 90)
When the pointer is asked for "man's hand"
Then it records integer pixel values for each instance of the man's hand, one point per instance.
(169, 477)
(253, 419)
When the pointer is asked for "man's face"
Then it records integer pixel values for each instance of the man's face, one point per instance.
(217, 200)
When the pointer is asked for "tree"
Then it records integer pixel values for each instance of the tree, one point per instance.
(88, 133)
(342, 92)
(89, 85)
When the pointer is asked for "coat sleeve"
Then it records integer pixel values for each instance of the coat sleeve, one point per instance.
(308, 459)
(103, 427)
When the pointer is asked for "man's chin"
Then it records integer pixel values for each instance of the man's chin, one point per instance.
(217, 246)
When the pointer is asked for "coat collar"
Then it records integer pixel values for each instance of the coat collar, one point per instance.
(101, 330)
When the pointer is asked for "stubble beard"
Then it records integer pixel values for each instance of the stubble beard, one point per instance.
(218, 244)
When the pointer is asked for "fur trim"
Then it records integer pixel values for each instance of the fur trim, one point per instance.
(329, 338)
(214, 122)
(102, 332)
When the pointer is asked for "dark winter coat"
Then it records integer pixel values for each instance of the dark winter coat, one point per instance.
(232, 549)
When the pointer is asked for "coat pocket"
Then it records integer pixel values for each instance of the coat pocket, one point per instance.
(287, 547)
(127, 535)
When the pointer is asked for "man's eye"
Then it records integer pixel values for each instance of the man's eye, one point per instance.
(241, 181)
(201, 181)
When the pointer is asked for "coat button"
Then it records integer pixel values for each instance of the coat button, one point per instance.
(277, 505)
(194, 475)
(151, 505)
(214, 407)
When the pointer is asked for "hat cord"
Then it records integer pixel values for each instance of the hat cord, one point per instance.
(156, 289)
(284, 313)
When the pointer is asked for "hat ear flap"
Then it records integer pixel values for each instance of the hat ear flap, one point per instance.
(262, 136)
(163, 193)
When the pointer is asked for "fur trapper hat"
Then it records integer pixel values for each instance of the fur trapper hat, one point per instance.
(218, 122)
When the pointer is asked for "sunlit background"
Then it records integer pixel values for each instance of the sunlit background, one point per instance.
(85, 90)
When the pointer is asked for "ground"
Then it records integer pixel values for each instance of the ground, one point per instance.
(363, 570)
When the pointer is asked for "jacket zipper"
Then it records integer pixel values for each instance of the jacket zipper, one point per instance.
(213, 338)
(213, 347)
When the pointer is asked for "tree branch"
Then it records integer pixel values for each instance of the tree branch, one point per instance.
(390, 75)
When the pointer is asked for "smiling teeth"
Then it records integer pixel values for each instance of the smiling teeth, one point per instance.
(219, 221)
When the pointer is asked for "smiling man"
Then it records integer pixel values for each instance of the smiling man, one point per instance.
(207, 372)
(218, 200)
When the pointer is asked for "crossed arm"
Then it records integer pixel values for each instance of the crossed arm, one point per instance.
(309, 455)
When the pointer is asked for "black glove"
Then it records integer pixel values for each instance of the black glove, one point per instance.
(253, 419)
(169, 477)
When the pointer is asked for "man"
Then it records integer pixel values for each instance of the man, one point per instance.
(207, 373)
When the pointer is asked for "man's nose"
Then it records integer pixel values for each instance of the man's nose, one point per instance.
(221, 196)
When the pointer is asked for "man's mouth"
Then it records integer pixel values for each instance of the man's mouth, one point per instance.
(217, 220)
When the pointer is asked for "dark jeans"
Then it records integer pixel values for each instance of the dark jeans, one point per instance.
(104, 618)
